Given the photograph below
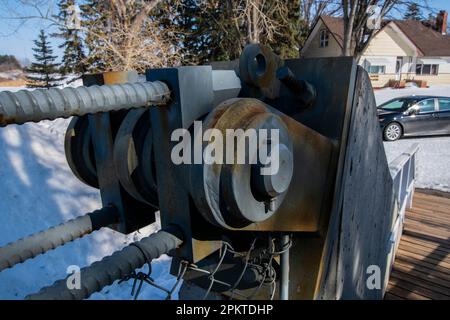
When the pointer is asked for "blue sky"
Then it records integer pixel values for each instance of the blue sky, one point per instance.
(17, 39)
(16, 36)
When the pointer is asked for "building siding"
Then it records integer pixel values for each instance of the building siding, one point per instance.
(315, 51)
(388, 43)
(389, 62)
(381, 80)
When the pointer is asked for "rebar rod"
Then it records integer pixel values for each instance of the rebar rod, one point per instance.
(120, 264)
(39, 243)
(41, 104)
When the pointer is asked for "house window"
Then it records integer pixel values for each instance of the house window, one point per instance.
(427, 69)
(324, 38)
(376, 69)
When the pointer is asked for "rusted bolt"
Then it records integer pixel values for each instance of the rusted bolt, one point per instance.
(303, 90)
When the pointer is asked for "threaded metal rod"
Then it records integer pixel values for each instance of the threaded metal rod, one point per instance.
(117, 266)
(39, 243)
(34, 106)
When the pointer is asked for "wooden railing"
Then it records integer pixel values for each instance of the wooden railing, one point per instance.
(403, 172)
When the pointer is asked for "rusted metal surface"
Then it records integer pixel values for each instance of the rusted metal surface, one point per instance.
(114, 77)
(226, 196)
(258, 66)
(329, 116)
(310, 187)
(312, 159)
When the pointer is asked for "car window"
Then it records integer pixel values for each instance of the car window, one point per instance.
(444, 104)
(426, 105)
(394, 105)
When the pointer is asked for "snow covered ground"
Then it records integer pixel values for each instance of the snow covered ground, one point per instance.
(433, 160)
(38, 190)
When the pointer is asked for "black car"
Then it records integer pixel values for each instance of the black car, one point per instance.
(414, 116)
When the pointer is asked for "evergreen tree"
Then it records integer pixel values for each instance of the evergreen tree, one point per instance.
(94, 18)
(209, 32)
(217, 30)
(44, 72)
(291, 30)
(413, 12)
(74, 58)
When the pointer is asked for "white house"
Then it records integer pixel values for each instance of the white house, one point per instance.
(404, 50)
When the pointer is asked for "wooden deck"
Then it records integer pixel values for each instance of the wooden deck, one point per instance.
(422, 265)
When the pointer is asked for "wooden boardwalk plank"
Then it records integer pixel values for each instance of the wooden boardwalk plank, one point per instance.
(415, 288)
(433, 238)
(405, 294)
(425, 258)
(425, 244)
(422, 274)
(429, 221)
(435, 254)
(431, 286)
(422, 265)
(390, 296)
(426, 230)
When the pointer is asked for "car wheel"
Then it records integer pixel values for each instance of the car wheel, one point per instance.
(393, 131)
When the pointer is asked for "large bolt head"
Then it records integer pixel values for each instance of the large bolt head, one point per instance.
(276, 182)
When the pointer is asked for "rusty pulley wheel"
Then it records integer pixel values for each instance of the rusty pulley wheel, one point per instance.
(79, 151)
(134, 158)
(235, 195)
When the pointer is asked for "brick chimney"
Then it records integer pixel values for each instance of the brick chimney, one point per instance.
(441, 22)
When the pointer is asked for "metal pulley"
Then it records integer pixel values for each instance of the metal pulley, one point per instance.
(235, 194)
(134, 156)
(79, 151)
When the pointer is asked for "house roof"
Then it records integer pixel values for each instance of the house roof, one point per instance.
(428, 41)
(336, 27)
